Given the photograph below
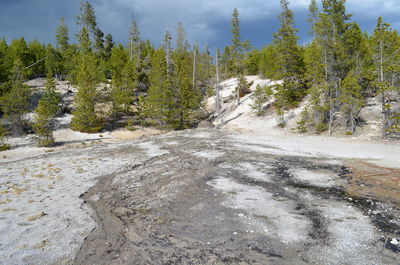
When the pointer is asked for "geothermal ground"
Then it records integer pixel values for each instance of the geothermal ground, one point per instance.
(203, 197)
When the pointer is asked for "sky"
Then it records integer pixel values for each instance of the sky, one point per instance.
(207, 22)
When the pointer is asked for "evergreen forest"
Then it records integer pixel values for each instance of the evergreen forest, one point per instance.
(137, 83)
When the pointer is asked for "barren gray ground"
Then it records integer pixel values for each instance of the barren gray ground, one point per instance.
(210, 197)
(208, 201)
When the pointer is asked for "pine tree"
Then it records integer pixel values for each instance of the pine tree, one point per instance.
(85, 118)
(87, 18)
(227, 63)
(187, 98)
(160, 97)
(312, 16)
(352, 101)
(4, 63)
(144, 67)
(252, 62)
(317, 111)
(46, 111)
(3, 136)
(108, 46)
(394, 126)
(260, 96)
(243, 87)
(17, 50)
(58, 60)
(290, 61)
(123, 81)
(268, 65)
(237, 50)
(134, 42)
(204, 69)
(385, 42)
(15, 103)
(330, 51)
(62, 36)
(99, 43)
(142, 110)
(181, 42)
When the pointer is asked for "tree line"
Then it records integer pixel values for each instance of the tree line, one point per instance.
(338, 70)
(118, 85)
(139, 84)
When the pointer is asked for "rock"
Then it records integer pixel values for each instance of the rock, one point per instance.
(205, 125)
(394, 241)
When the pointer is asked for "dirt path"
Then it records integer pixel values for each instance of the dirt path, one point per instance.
(208, 198)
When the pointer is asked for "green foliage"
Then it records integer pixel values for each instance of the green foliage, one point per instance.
(123, 81)
(46, 110)
(37, 52)
(314, 64)
(4, 64)
(312, 16)
(15, 103)
(386, 44)
(62, 36)
(237, 46)
(268, 65)
(260, 96)
(302, 123)
(280, 116)
(227, 63)
(394, 126)
(290, 61)
(172, 101)
(85, 118)
(351, 100)
(321, 127)
(160, 96)
(108, 46)
(252, 62)
(205, 69)
(54, 63)
(87, 17)
(243, 88)
(187, 99)
(142, 109)
(3, 135)
(134, 45)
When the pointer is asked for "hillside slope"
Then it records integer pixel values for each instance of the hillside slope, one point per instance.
(243, 117)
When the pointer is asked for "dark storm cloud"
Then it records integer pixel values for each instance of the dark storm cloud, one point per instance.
(207, 22)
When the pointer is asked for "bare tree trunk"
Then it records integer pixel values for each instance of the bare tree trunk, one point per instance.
(329, 92)
(384, 115)
(330, 115)
(217, 87)
(352, 120)
(194, 67)
(130, 49)
(238, 91)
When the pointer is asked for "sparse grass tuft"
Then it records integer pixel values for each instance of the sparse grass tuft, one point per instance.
(5, 201)
(4, 147)
(7, 210)
(36, 217)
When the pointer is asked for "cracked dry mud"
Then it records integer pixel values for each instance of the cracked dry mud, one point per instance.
(203, 200)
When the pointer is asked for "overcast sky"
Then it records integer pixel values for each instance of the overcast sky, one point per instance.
(206, 21)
